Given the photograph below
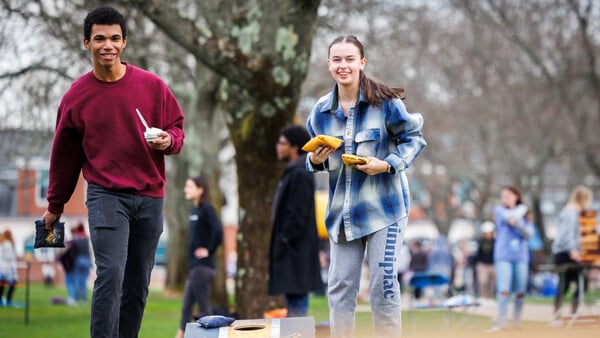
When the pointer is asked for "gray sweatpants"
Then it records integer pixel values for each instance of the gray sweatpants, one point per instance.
(382, 248)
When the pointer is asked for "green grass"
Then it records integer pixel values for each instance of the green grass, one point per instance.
(160, 319)
(162, 316)
(47, 321)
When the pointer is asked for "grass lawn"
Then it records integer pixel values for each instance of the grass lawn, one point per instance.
(160, 319)
(162, 315)
(48, 321)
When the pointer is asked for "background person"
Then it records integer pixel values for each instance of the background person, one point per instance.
(440, 262)
(76, 278)
(294, 267)
(484, 262)
(418, 264)
(566, 247)
(511, 255)
(535, 245)
(368, 204)
(205, 236)
(99, 134)
(8, 268)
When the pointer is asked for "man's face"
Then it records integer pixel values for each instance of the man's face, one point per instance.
(284, 149)
(106, 45)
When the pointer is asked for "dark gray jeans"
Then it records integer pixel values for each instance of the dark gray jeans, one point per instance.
(197, 291)
(124, 229)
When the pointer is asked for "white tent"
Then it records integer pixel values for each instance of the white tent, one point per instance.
(421, 229)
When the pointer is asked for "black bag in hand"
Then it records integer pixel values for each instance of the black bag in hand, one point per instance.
(53, 238)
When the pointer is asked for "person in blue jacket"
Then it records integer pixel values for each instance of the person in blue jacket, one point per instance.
(511, 254)
(368, 203)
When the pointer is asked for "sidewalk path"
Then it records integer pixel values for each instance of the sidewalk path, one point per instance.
(531, 311)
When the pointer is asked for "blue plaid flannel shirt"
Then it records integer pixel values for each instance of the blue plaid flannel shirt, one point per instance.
(365, 204)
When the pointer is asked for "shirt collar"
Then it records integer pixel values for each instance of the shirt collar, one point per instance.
(331, 105)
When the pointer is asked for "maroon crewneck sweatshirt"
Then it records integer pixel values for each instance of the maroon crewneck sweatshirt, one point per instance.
(98, 132)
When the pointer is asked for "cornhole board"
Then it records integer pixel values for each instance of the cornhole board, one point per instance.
(257, 328)
(589, 240)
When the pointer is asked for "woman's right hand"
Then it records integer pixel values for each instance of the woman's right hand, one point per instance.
(320, 155)
(201, 253)
(574, 255)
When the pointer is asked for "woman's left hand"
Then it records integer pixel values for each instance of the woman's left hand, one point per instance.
(374, 167)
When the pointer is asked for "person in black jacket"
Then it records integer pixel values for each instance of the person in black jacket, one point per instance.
(294, 268)
(418, 264)
(205, 236)
(484, 262)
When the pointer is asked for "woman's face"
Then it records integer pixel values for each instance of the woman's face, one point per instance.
(192, 191)
(508, 198)
(345, 63)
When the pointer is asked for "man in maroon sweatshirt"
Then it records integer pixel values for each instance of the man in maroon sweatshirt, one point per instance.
(98, 132)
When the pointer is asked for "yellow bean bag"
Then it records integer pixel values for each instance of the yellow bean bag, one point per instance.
(322, 140)
(350, 159)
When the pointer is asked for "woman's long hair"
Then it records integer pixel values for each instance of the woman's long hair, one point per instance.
(375, 92)
(7, 236)
(580, 198)
(516, 192)
(202, 182)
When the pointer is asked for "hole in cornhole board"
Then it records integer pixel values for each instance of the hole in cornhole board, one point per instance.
(249, 327)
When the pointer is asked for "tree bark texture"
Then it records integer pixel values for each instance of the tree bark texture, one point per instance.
(261, 49)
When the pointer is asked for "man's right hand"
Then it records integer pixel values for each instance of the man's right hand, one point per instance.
(50, 218)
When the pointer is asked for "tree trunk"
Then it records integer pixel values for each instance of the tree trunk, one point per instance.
(199, 158)
(258, 174)
(538, 219)
(177, 220)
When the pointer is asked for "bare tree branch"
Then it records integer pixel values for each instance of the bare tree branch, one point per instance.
(36, 67)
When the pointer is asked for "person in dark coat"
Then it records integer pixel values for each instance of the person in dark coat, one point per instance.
(294, 268)
(418, 264)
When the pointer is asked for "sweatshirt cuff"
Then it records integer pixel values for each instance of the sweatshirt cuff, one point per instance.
(314, 167)
(56, 209)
